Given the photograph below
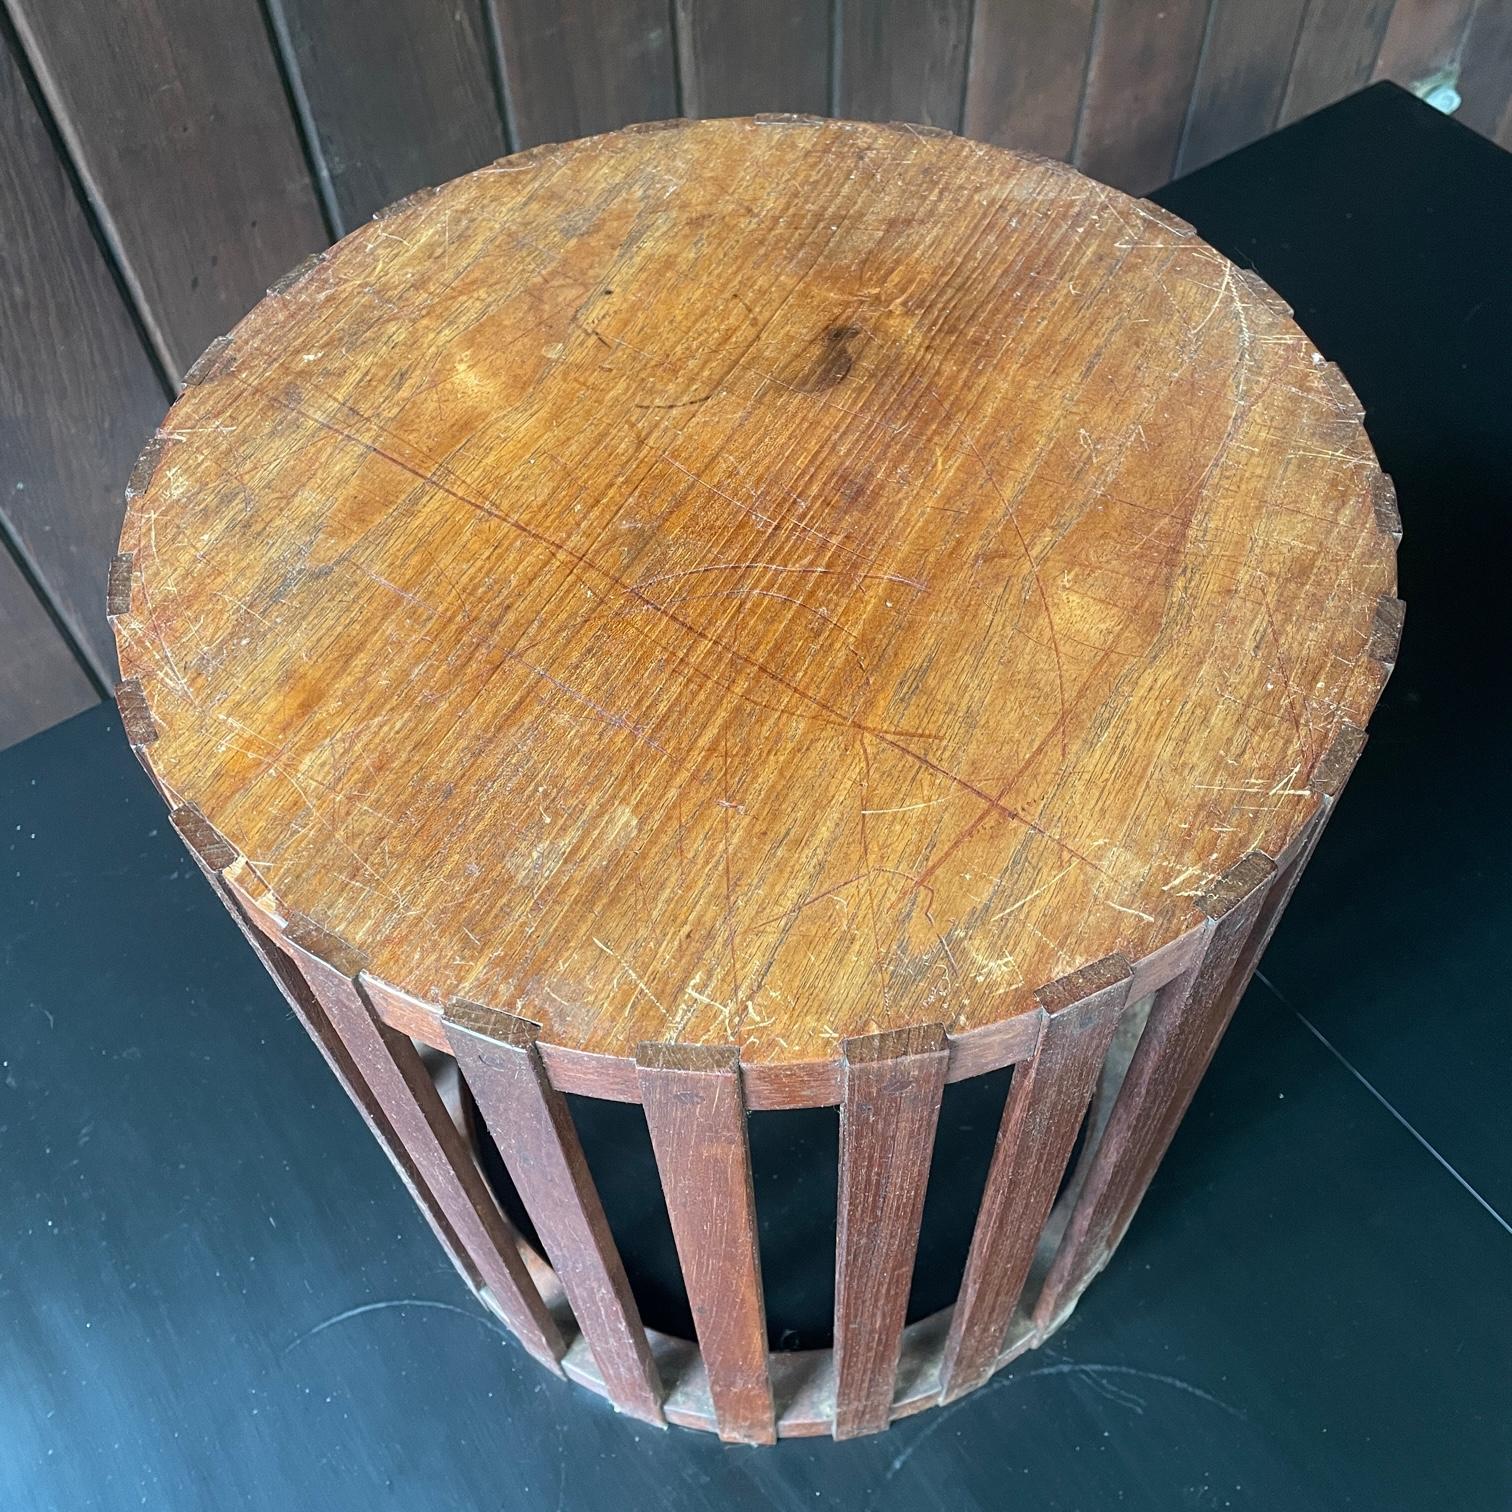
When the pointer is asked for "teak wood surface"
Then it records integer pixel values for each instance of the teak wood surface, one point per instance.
(760, 583)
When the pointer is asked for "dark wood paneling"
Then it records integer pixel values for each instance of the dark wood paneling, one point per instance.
(1139, 80)
(399, 94)
(576, 67)
(1486, 73)
(903, 60)
(1024, 81)
(741, 59)
(40, 682)
(78, 393)
(1336, 52)
(1423, 38)
(180, 128)
(1241, 80)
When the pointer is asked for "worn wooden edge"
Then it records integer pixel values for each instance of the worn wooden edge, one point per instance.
(1336, 763)
(118, 585)
(296, 275)
(312, 939)
(1386, 632)
(218, 359)
(489, 1024)
(136, 717)
(1383, 499)
(1233, 887)
(202, 838)
(693, 1060)
(146, 465)
(1091, 982)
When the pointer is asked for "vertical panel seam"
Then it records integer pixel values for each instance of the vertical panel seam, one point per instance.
(1178, 162)
(493, 30)
(281, 45)
(1094, 39)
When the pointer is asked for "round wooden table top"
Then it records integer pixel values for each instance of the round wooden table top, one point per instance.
(760, 582)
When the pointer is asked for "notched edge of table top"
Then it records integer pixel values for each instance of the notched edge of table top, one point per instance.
(765, 1084)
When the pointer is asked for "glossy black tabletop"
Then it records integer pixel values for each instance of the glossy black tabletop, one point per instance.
(214, 1293)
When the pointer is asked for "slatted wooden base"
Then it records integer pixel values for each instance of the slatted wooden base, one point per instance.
(1032, 1253)
(762, 614)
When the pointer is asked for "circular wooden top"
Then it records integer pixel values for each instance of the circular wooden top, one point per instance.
(759, 582)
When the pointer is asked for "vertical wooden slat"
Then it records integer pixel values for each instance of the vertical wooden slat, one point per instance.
(1424, 38)
(902, 60)
(78, 393)
(1186, 1022)
(696, 1115)
(1047, 1100)
(742, 59)
(888, 1113)
(180, 128)
(1025, 75)
(1242, 77)
(388, 1063)
(533, 1129)
(1336, 53)
(576, 67)
(399, 95)
(1139, 83)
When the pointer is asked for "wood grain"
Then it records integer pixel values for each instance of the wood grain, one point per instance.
(181, 133)
(397, 95)
(893, 1084)
(1046, 1102)
(1241, 80)
(388, 1064)
(738, 59)
(902, 60)
(77, 391)
(692, 1098)
(584, 66)
(534, 1132)
(756, 583)
(1186, 1022)
(1028, 64)
(1336, 53)
(1140, 73)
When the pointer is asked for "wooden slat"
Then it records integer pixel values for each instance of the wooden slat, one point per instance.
(40, 681)
(1424, 38)
(307, 1009)
(577, 67)
(398, 95)
(888, 1114)
(78, 391)
(1139, 82)
(693, 1106)
(1046, 1103)
(1486, 72)
(902, 60)
(533, 1130)
(1025, 76)
(1241, 81)
(1186, 1022)
(1336, 53)
(736, 58)
(180, 127)
(389, 1064)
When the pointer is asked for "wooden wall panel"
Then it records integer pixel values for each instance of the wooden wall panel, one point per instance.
(1486, 72)
(1025, 75)
(40, 681)
(396, 95)
(78, 392)
(1336, 53)
(1241, 79)
(1423, 38)
(902, 60)
(1139, 80)
(181, 131)
(577, 67)
(737, 58)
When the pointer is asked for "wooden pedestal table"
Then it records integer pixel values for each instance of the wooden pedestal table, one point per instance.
(762, 614)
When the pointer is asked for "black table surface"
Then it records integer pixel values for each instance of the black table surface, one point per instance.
(214, 1294)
